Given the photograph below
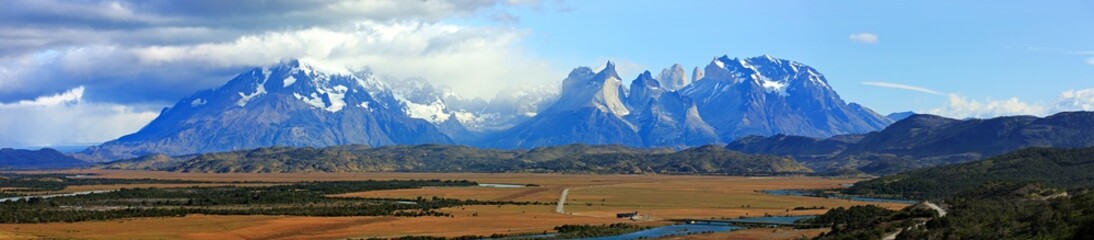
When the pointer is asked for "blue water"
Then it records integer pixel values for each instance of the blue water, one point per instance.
(537, 236)
(672, 230)
(688, 229)
(782, 220)
(24, 198)
(681, 229)
(788, 192)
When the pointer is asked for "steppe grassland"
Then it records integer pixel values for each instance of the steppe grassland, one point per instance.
(593, 199)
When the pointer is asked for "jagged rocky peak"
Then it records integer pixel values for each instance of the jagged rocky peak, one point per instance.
(696, 74)
(646, 80)
(673, 78)
(643, 90)
(608, 72)
(301, 103)
(577, 78)
(589, 110)
(602, 90)
(716, 69)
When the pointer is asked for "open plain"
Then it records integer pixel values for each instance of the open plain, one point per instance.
(592, 199)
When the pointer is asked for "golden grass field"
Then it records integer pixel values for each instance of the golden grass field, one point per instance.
(593, 199)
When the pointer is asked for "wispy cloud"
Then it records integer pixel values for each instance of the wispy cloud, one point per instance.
(904, 87)
(959, 106)
(1063, 51)
(1089, 60)
(865, 37)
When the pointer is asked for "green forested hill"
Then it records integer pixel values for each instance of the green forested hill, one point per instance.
(925, 140)
(1034, 193)
(450, 158)
(1064, 168)
(995, 211)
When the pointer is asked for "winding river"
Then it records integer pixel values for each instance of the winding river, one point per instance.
(12, 199)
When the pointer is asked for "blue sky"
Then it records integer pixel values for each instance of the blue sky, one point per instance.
(79, 72)
(1031, 50)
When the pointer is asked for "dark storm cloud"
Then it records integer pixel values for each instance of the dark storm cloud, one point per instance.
(243, 14)
(110, 74)
(79, 71)
(30, 25)
(49, 46)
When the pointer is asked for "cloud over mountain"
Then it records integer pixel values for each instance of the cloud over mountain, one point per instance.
(147, 54)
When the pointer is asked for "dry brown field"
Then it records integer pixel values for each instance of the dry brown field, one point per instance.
(593, 199)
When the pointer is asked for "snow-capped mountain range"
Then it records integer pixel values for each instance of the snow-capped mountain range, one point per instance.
(766, 96)
(299, 103)
(295, 103)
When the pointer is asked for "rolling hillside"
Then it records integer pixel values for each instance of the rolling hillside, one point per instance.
(448, 158)
(927, 140)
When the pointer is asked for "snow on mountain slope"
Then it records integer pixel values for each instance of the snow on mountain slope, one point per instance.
(293, 103)
(766, 96)
(307, 103)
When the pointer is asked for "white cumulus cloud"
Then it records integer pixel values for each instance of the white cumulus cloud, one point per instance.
(962, 107)
(64, 118)
(473, 61)
(112, 63)
(1073, 100)
(865, 37)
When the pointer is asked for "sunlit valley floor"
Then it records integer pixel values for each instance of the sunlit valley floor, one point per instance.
(592, 199)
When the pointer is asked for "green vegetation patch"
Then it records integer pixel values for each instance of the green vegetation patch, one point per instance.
(1063, 168)
(21, 184)
(592, 231)
(562, 232)
(301, 199)
(575, 158)
(992, 211)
